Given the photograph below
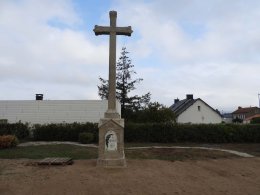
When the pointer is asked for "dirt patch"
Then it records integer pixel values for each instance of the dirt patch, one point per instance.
(236, 176)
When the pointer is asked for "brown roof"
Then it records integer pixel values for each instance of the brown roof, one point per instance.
(245, 110)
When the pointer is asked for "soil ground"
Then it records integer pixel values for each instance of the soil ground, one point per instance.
(228, 176)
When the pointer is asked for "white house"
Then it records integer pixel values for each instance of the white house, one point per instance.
(195, 111)
(53, 111)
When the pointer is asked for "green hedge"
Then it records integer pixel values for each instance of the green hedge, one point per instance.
(20, 130)
(208, 133)
(142, 132)
(86, 137)
(255, 120)
(63, 132)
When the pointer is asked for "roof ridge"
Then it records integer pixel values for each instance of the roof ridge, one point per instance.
(186, 103)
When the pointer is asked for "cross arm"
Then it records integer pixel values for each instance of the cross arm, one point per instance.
(124, 31)
(106, 30)
(102, 30)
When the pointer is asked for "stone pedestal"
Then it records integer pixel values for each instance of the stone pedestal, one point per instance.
(111, 143)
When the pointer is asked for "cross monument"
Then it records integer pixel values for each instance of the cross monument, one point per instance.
(111, 127)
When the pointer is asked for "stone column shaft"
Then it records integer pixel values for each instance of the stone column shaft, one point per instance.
(112, 31)
(111, 112)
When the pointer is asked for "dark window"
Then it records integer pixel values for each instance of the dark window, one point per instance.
(198, 108)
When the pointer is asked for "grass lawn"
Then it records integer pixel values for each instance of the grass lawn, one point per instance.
(173, 154)
(250, 148)
(39, 152)
(79, 152)
(253, 149)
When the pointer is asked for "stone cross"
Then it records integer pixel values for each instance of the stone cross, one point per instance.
(111, 127)
(112, 31)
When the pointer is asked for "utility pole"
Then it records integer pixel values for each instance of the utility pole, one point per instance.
(259, 99)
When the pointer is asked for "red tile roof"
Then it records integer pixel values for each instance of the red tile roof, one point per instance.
(251, 117)
(245, 110)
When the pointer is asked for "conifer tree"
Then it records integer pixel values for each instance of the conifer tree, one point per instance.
(125, 83)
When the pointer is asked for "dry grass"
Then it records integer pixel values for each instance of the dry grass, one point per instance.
(174, 154)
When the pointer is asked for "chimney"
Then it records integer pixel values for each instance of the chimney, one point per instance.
(239, 107)
(176, 100)
(189, 96)
(39, 97)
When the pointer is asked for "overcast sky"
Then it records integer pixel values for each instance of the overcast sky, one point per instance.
(207, 48)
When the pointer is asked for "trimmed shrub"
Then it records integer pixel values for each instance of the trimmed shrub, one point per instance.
(86, 138)
(8, 141)
(202, 133)
(20, 130)
(64, 132)
(255, 120)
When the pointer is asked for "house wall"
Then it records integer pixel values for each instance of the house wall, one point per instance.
(248, 113)
(240, 116)
(204, 115)
(54, 111)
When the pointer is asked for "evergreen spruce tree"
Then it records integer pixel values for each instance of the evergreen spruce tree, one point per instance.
(124, 85)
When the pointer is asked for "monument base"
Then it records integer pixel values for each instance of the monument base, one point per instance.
(111, 143)
(112, 163)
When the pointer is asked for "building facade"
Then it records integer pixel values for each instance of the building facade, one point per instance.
(195, 111)
(245, 113)
(53, 111)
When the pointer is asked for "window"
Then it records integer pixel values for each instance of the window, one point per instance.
(198, 108)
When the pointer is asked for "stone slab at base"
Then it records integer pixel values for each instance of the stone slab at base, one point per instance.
(111, 163)
(55, 161)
